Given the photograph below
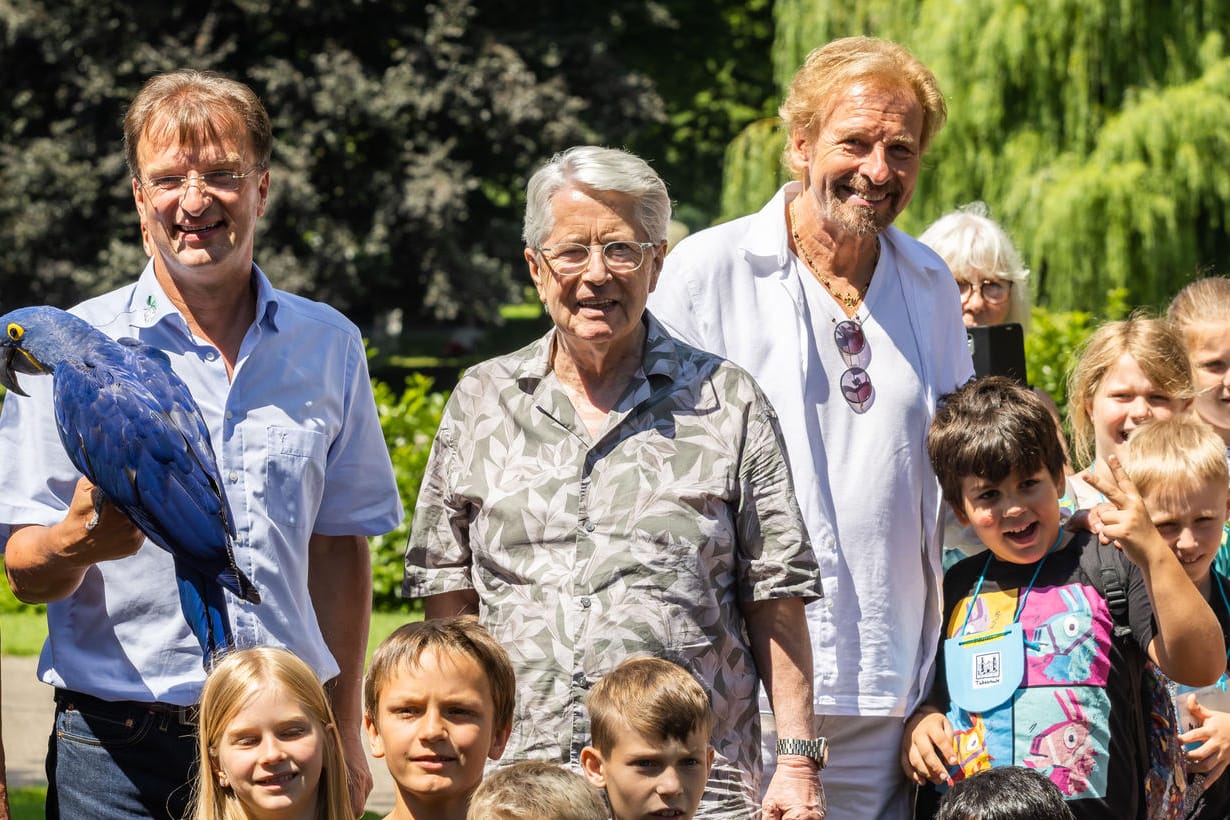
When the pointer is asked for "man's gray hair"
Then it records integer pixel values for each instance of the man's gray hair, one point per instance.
(597, 169)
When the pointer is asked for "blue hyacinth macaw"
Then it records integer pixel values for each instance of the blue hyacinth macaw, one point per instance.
(132, 428)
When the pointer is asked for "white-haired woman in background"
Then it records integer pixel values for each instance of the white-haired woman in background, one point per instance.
(986, 265)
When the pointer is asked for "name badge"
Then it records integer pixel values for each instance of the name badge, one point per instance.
(984, 670)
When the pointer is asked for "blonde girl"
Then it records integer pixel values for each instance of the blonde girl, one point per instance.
(1128, 373)
(1201, 314)
(268, 743)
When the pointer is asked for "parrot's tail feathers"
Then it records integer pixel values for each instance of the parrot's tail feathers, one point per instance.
(204, 607)
(238, 583)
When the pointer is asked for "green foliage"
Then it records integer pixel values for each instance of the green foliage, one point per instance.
(803, 25)
(409, 422)
(1090, 127)
(711, 71)
(753, 169)
(405, 131)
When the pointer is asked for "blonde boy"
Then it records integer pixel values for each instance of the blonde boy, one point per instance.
(536, 790)
(649, 728)
(438, 703)
(1179, 468)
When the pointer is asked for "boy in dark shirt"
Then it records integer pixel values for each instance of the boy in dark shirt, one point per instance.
(1036, 669)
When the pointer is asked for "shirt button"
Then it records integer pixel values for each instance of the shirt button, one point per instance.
(211, 355)
(234, 476)
(229, 414)
(585, 603)
(589, 526)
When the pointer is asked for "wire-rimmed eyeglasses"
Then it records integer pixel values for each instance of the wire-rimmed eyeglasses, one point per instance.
(214, 182)
(856, 387)
(992, 291)
(572, 258)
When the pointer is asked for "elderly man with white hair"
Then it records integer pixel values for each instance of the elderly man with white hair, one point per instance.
(608, 491)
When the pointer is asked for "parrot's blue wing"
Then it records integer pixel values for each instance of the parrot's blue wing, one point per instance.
(133, 429)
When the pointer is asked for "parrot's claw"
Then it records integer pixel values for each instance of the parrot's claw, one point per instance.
(98, 502)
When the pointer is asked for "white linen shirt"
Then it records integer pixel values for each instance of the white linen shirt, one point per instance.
(300, 451)
(735, 290)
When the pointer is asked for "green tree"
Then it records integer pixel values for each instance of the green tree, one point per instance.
(405, 130)
(706, 60)
(1092, 129)
(409, 422)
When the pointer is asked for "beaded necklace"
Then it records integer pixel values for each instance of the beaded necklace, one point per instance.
(851, 302)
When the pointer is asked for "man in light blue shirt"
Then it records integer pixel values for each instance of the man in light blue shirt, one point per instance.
(283, 385)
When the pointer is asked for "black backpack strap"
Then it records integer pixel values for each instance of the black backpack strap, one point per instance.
(1104, 568)
(1110, 577)
(1114, 588)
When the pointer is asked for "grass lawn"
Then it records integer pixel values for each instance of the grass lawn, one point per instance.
(22, 633)
(27, 803)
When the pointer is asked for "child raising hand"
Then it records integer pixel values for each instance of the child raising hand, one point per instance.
(1033, 671)
(1179, 469)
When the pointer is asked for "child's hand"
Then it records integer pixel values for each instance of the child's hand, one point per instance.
(927, 749)
(1124, 521)
(1213, 735)
(1090, 520)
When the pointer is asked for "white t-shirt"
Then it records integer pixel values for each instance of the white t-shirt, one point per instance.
(880, 529)
(735, 290)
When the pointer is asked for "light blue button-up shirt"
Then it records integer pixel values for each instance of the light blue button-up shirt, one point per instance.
(300, 451)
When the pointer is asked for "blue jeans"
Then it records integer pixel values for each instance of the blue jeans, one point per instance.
(119, 759)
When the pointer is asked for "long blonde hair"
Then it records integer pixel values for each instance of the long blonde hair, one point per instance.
(236, 678)
(1158, 351)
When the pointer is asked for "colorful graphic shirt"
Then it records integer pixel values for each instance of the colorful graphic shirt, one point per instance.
(1075, 716)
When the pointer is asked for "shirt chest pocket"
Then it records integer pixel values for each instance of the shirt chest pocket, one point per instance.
(295, 475)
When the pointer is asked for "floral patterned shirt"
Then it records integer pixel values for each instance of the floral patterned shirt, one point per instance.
(646, 540)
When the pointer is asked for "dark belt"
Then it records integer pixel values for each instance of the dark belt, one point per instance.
(123, 709)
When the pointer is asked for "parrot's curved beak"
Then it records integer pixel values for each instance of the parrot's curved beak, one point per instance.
(14, 360)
